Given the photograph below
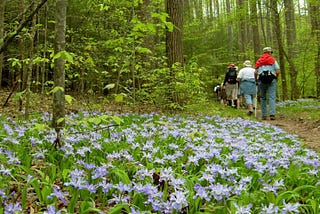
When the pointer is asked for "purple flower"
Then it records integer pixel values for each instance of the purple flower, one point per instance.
(271, 209)
(178, 200)
(105, 186)
(40, 154)
(243, 209)
(123, 188)
(52, 210)
(166, 174)
(100, 172)
(4, 171)
(201, 192)
(57, 193)
(290, 208)
(219, 191)
(3, 194)
(77, 182)
(12, 208)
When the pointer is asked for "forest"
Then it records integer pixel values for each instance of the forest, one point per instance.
(165, 145)
(164, 53)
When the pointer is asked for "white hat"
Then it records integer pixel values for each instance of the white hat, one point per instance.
(267, 49)
(247, 63)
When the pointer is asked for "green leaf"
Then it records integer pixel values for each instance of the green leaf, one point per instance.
(144, 50)
(19, 95)
(119, 98)
(117, 120)
(110, 86)
(56, 89)
(119, 208)
(68, 98)
(64, 55)
(45, 192)
(40, 127)
(60, 120)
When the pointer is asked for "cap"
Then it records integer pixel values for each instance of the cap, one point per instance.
(267, 49)
(247, 63)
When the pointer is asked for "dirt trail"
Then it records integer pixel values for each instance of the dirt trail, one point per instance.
(307, 130)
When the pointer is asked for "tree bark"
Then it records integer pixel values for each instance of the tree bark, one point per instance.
(255, 29)
(59, 66)
(174, 49)
(30, 68)
(277, 30)
(242, 25)
(2, 10)
(315, 23)
(291, 39)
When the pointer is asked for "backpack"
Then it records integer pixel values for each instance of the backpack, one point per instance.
(232, 76)
(266, 77)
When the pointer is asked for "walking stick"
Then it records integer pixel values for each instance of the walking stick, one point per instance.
(256, 102)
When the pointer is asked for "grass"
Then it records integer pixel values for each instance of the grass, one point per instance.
(208, 159)
(304, 109)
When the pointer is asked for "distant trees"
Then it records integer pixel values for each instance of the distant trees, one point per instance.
(126, 49)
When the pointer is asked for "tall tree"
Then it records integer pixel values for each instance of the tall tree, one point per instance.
(59, 67)
(2, 9)
(292, 52)
(255, 28)
(242, 24)
(174, 38)
(30, 65)
(314, 6)
(278, 37)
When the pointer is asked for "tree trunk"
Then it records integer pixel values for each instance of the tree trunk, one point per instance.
(242, 25)
(229, 28)
(44, 72)
(29, 68)
(315, 23)
(59, 66)
(255, 29)
(2, 10)
(291, 39)
(277, 30)
(174, 49)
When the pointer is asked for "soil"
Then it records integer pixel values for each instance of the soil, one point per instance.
(307, 130)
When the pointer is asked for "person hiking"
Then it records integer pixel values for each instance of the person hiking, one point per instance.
(266, 74)
(217, 90)
(247, 83)
(231, 86)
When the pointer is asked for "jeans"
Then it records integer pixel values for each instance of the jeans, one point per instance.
(270, 90)
(249, 99)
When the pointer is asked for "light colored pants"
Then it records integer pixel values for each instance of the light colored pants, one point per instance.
(270, 90)
(232, 91)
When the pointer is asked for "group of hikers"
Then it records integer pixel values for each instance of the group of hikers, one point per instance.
(243, 86)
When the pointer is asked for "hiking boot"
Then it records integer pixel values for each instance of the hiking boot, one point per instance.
(272, 117)
(264, 117)
(249, 113)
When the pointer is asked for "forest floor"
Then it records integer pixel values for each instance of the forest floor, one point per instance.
(307, 129)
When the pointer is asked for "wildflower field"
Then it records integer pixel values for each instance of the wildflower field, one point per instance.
(154, 163)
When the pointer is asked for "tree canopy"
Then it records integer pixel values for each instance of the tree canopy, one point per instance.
(166, 53)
